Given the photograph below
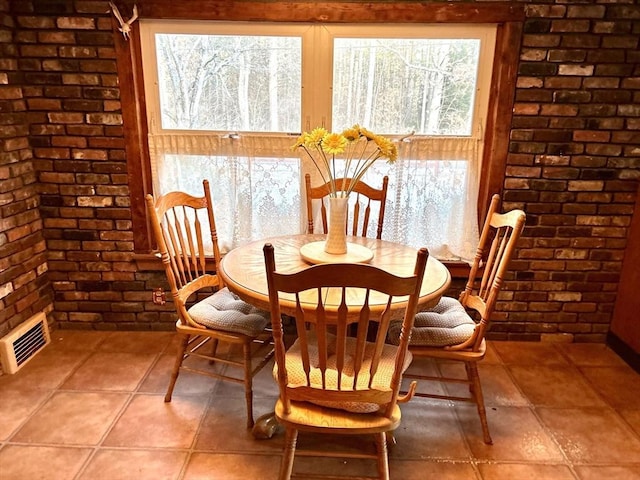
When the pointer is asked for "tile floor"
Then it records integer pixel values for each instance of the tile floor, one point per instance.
(90, 406)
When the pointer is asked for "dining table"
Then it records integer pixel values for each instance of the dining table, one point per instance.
(243, 269)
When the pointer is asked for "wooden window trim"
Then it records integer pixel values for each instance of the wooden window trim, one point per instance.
(508, 16)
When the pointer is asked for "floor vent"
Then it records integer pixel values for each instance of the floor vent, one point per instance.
(23, 342)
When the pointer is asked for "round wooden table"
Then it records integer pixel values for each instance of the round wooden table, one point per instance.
(243, 269)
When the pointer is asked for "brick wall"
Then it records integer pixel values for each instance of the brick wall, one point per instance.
(573, 166)
(66, 56)
(24, 288)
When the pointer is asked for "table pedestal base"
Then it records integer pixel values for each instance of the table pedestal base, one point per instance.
(265, 427)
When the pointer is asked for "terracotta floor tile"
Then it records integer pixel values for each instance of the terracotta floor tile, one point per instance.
(47, 370)
(111, 371)
(83, 340)
(591, 435)
(188, 383)
(519, 471)
(555, 387)
(491, 356)
(429, 429)
(497, 386)
(428, 367)
(354, 467)
(537, 353)
(426, 469)
(20, 462)
(632, 417)
(620, 386)
(150, 422)
(174, 344)
(333, 443)
(16, 405)
(517, 435)
(611, 472)
(135, 464)
(590, 355)
(263, 383)
(208, 466)
(72, 418)
(223, 428)
(136, 342)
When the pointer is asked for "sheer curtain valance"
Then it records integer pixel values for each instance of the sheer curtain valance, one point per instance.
(257, 180)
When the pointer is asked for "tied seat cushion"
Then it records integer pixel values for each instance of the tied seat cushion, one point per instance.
(224, 310)
(446, 324)
(381, 381)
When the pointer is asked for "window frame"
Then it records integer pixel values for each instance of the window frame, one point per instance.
(509, 18)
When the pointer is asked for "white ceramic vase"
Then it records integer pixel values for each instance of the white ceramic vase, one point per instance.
(336, 243)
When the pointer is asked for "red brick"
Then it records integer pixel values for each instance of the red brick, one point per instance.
(580, 26)
(35, 22)
(56, 37)
(78, 142)
(76, 23)
(586, 11)
(80, 79)
(66, 117)
(561, 110)
(78, 52)
(591, 136)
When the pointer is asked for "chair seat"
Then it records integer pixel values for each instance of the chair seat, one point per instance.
(382, 380)
(306, 416)
(225, 311)
(446, 324)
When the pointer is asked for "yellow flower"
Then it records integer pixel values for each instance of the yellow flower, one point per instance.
(334, 143)
(366, 133)
(299, 142)
(357, 146)
(352, 133)
(314, 137)
(387, 148)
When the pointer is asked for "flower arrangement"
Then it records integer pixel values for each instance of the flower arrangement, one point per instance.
(359, 147)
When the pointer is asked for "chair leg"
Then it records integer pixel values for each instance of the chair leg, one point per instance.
(248, 382)
(476, 391)
(383, 459)
(467, 368)
(286, 465)
(184, 344)
(214, 350)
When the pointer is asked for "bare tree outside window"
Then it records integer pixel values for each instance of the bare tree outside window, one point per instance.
(403, 85)
(229, 83)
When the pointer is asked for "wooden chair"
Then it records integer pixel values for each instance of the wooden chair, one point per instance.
(330, 381)
(362, 190)
(207, 311)
(447, 331)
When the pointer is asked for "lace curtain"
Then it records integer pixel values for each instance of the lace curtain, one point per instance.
(257, 184)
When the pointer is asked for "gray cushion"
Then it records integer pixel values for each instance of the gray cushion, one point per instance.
(224, 310)
(381, 381)
(446, 324)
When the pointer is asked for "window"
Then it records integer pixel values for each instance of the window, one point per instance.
(225, 102)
